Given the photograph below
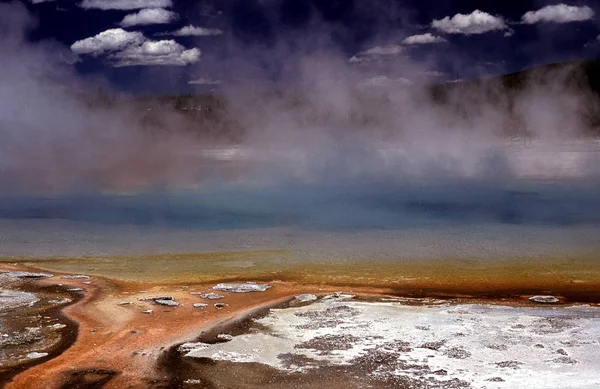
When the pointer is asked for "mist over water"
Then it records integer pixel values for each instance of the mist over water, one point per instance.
(324, 153)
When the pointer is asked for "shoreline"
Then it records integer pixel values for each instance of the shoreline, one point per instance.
(120, 346)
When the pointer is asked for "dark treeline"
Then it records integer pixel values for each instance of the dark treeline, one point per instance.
(211, 117)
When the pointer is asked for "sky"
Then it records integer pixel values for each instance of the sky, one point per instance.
(195, 46)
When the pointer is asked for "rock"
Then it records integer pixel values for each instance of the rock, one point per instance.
(156, 298)
(169, 303)
(61, 301)
(305, 298)
(125, 303)
(58, 326)
(200, 305)
(87, 282)
(35, 355)
(212, 296)
(10, 299)
(76, 277)
(220, 305)
(196, 293)
(544, 299)
(147, 311)
(241, 288)
(339, 295)
(225, 337)
(25, 274)
(191, 346)
(75, 289)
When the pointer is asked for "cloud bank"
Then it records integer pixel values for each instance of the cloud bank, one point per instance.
(149, 16)
(560, 13)
(423, 39)
(196, 31)
(126, 48)
(477, 22)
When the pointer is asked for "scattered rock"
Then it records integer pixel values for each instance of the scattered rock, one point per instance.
(87, 282)
(147, 311)
(241, 288)
(544, 299)
(156, 298)
(561, 351)
(35, 355)
(511, 364)
(495, 379)
(191, 346)
(305, 298)
(565, 360)
(58, 326)
(169, 303)
(196, 293)
(200, 305)
(25, 274)
(61, 301)
(220, 305)
(538, 345)
(339, 295)
(212, 296)
(225, 337)
(75, 289)
(76, 277)
(440, 372)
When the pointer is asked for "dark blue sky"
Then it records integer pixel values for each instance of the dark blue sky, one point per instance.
(268, 38)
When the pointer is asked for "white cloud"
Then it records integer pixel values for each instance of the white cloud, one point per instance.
(375, 54)
(151, 53)
(205, 81)
(133, 49)
(477, 22)
(107, 41)
(196, 31)
(125, 4)
(149, 16)
(40, 1)
(423, 39)
(384, 50)
(560, 13)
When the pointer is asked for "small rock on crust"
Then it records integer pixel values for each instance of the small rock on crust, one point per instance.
(225, 337)
(544, 299)
(220, 305)
(200, 305)
(125, 303)
(212, 296)
(305, 298)
(25, 274)
(156, 298)
(169, 303)
(147, 311)
(35, 355)
(75, 289)
(241, 288)
(76, 277)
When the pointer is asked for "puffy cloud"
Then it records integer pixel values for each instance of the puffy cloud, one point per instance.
(205, 81)
(125, 4)
(375, 53)
(152, 53)
(423, 39)
(196, 31)
(384, 50)
(133, 49)
(477, 22)
(107, 41)
(149, 16)
(560, 13)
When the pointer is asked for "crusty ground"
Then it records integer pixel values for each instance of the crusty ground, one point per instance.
(125, 340)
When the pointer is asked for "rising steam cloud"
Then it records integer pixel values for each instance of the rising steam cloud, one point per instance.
(323, 125)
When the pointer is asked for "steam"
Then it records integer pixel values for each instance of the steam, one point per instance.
(321, 132)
